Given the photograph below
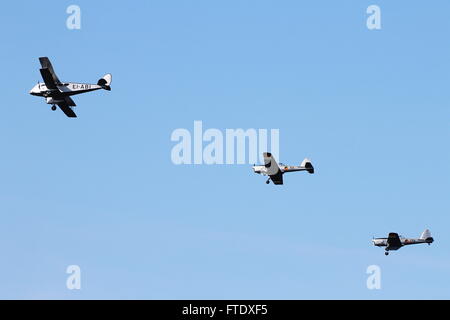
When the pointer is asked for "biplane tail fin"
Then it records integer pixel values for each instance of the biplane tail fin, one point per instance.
(105, 82)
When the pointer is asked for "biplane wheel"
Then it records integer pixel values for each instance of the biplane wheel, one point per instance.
(53, 108)
(268, 181)
(386, 253)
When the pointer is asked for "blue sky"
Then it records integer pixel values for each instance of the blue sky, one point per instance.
(370, 108)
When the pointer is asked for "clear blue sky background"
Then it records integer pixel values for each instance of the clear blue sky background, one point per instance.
(370, 108)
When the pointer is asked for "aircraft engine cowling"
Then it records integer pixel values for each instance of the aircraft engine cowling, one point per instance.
(53, 101)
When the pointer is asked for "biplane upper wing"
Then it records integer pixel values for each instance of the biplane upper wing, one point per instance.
(47, 65)
(48, 79)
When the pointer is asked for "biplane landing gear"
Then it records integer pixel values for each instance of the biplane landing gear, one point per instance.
(268, 181)
(386, 253)
(53, 107)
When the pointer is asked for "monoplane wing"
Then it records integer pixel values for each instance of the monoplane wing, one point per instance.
(277, 178)
(394, 240)
(273, 170)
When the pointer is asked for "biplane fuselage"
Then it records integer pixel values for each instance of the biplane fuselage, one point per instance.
(64, 90)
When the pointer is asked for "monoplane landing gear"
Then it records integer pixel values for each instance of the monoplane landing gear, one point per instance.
(53, 107)
(268, 181)
(386, 253)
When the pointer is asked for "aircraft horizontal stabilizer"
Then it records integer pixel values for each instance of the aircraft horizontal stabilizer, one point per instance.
(308, 166)
(426, 235)
(105, 82)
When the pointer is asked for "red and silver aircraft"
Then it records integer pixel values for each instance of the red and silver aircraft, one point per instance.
(58, 93)
(275, 171)
(395, 242)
